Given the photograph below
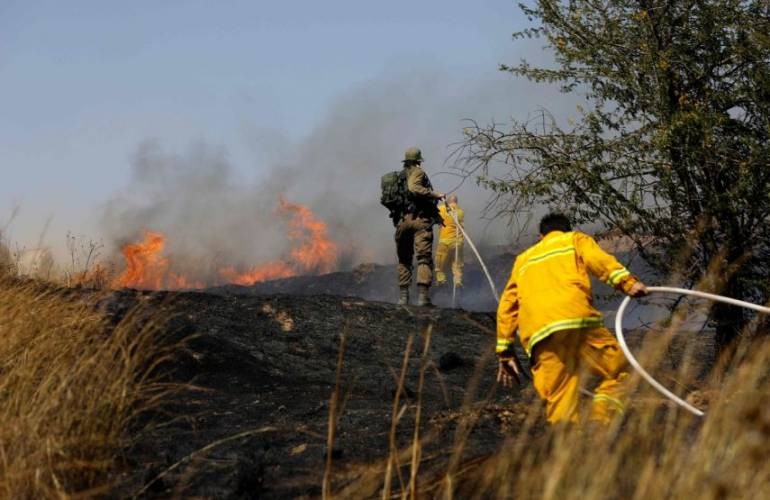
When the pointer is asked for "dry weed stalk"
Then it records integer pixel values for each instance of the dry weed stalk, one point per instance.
(416, 447)
(393, 461)
(334, 415)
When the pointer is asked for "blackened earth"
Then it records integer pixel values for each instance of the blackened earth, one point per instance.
(261, 370)
(259, 366)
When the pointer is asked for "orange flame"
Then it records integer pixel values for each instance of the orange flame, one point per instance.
(315, 253)
(146, 268)
(270, 271)
(312, 252)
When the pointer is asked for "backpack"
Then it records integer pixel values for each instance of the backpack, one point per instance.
(394, 195)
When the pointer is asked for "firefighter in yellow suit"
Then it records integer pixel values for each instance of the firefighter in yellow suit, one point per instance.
(450, 244)
(548, 299)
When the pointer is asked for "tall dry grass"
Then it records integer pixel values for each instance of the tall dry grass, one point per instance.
(70, 384)
(656, 450)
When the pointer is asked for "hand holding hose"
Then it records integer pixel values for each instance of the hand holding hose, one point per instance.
(638, 289)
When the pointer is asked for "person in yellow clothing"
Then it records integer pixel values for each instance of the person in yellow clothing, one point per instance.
(548, 299)
(450, 244)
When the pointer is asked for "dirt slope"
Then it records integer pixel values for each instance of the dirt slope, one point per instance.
(265, 367)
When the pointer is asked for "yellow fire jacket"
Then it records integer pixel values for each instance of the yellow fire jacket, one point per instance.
(449, 231)
(549, 289)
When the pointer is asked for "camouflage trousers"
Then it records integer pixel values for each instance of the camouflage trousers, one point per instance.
(414, 235)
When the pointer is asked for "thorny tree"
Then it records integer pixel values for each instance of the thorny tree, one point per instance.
(673, 149)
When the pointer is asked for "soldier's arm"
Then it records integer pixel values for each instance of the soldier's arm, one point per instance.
(603, 265)
(416, 185)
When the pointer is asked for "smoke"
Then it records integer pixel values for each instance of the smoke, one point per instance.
(213, 216)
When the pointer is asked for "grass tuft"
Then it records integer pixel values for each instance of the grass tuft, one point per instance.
(70, 385)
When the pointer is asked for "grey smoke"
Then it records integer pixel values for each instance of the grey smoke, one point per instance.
(213, 216)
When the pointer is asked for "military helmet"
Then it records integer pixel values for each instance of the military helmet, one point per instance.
(413, 154)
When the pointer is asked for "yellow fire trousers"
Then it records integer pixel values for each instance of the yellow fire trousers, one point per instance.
(563, 359)
(445, 254)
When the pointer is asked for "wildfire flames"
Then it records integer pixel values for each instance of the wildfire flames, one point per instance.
(312, 252)
(147, 268)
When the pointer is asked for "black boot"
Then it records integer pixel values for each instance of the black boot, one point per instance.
(403, 296)
(423, 297)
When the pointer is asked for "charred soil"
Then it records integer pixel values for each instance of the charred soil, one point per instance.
(258, 374)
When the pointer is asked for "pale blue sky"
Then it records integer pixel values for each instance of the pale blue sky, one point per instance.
(82, 83)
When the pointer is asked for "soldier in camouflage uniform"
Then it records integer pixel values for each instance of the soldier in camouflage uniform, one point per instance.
(414, 231)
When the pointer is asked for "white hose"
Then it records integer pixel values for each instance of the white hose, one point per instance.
(457, 255)
(619, 323)
(478, 256)
(682, 291)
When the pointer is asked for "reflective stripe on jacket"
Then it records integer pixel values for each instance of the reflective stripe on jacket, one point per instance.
(549, 289)
(449, 231)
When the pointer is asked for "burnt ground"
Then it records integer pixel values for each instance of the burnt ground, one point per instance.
(265, 369)
(378, 282)
(260, 363)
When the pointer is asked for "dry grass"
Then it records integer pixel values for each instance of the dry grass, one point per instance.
(70, 384)
(655, 451)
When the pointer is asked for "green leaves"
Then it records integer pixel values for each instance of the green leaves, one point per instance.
(675, 141)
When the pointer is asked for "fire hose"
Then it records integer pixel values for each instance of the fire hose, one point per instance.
(456, 264)
(619, 321)
(475, 251)
(682, 291)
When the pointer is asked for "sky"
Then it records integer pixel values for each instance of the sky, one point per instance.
(84, 84)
